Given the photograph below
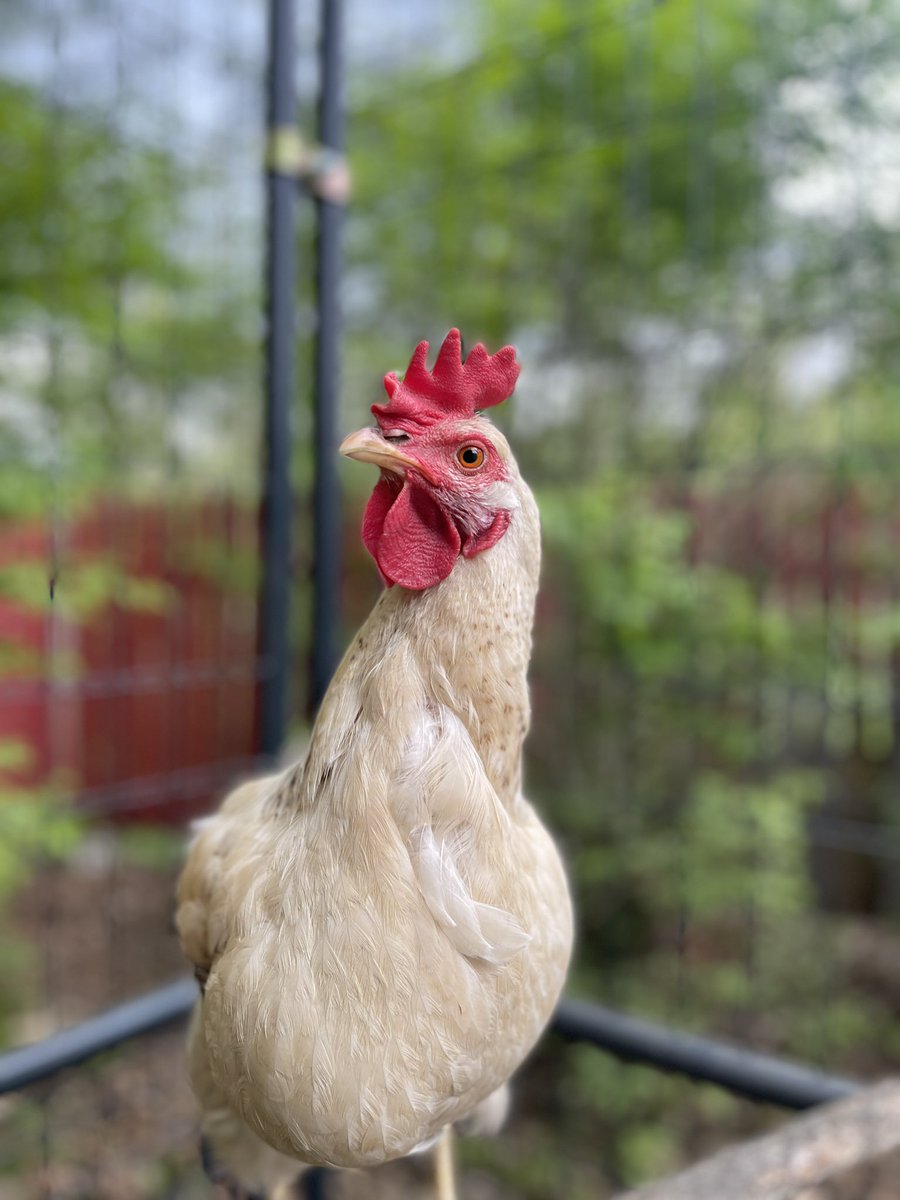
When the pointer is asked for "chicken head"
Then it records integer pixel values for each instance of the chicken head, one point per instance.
(445, 487)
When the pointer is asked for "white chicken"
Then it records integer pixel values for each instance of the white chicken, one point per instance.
(382, 931)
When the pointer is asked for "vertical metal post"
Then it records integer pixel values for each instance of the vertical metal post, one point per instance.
(326, 494)
(314, 1184)
(279, 382)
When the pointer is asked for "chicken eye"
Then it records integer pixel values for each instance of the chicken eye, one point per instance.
(470, 458)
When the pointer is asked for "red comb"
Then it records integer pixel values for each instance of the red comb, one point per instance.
(452, 389)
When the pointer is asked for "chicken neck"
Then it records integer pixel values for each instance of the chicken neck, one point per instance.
(463, 644)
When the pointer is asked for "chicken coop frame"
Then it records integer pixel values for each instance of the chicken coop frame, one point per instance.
(755, 1076)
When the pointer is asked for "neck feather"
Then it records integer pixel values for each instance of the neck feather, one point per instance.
(463, 644)
(471, 637)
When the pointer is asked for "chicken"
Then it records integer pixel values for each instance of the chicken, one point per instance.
(382, 931)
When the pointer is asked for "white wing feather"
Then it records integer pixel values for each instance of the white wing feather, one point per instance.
(442, 796)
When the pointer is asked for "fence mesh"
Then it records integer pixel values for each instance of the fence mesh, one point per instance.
(684, 214)
(131, 215)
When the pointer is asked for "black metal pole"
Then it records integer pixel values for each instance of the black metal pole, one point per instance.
(760, 1077)
(31, 1064)
(756, 1076)
(279, 382)
(326, 493)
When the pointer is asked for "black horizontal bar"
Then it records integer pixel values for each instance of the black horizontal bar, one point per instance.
(872, 838)
(761, 1077)
(755, 1076)
(30, 1064)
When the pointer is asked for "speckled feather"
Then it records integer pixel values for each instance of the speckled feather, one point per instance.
(386, 926)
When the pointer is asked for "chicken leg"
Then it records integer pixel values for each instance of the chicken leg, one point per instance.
(445, 1180)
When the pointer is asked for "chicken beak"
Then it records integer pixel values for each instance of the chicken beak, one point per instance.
(367, 445)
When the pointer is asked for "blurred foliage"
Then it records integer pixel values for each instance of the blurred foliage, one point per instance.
(33, 824)
(113, 327)
(152, 847)
(680, 213)
(89, 587)
(128, 346)
(36, 825)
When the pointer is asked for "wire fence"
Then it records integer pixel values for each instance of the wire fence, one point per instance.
(130, 548)
(683, 217)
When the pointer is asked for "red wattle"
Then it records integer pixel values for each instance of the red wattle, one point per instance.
(412, 539)
(475, 543)
(387, 489)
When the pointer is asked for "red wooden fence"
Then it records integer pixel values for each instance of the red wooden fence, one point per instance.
(135, 686)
